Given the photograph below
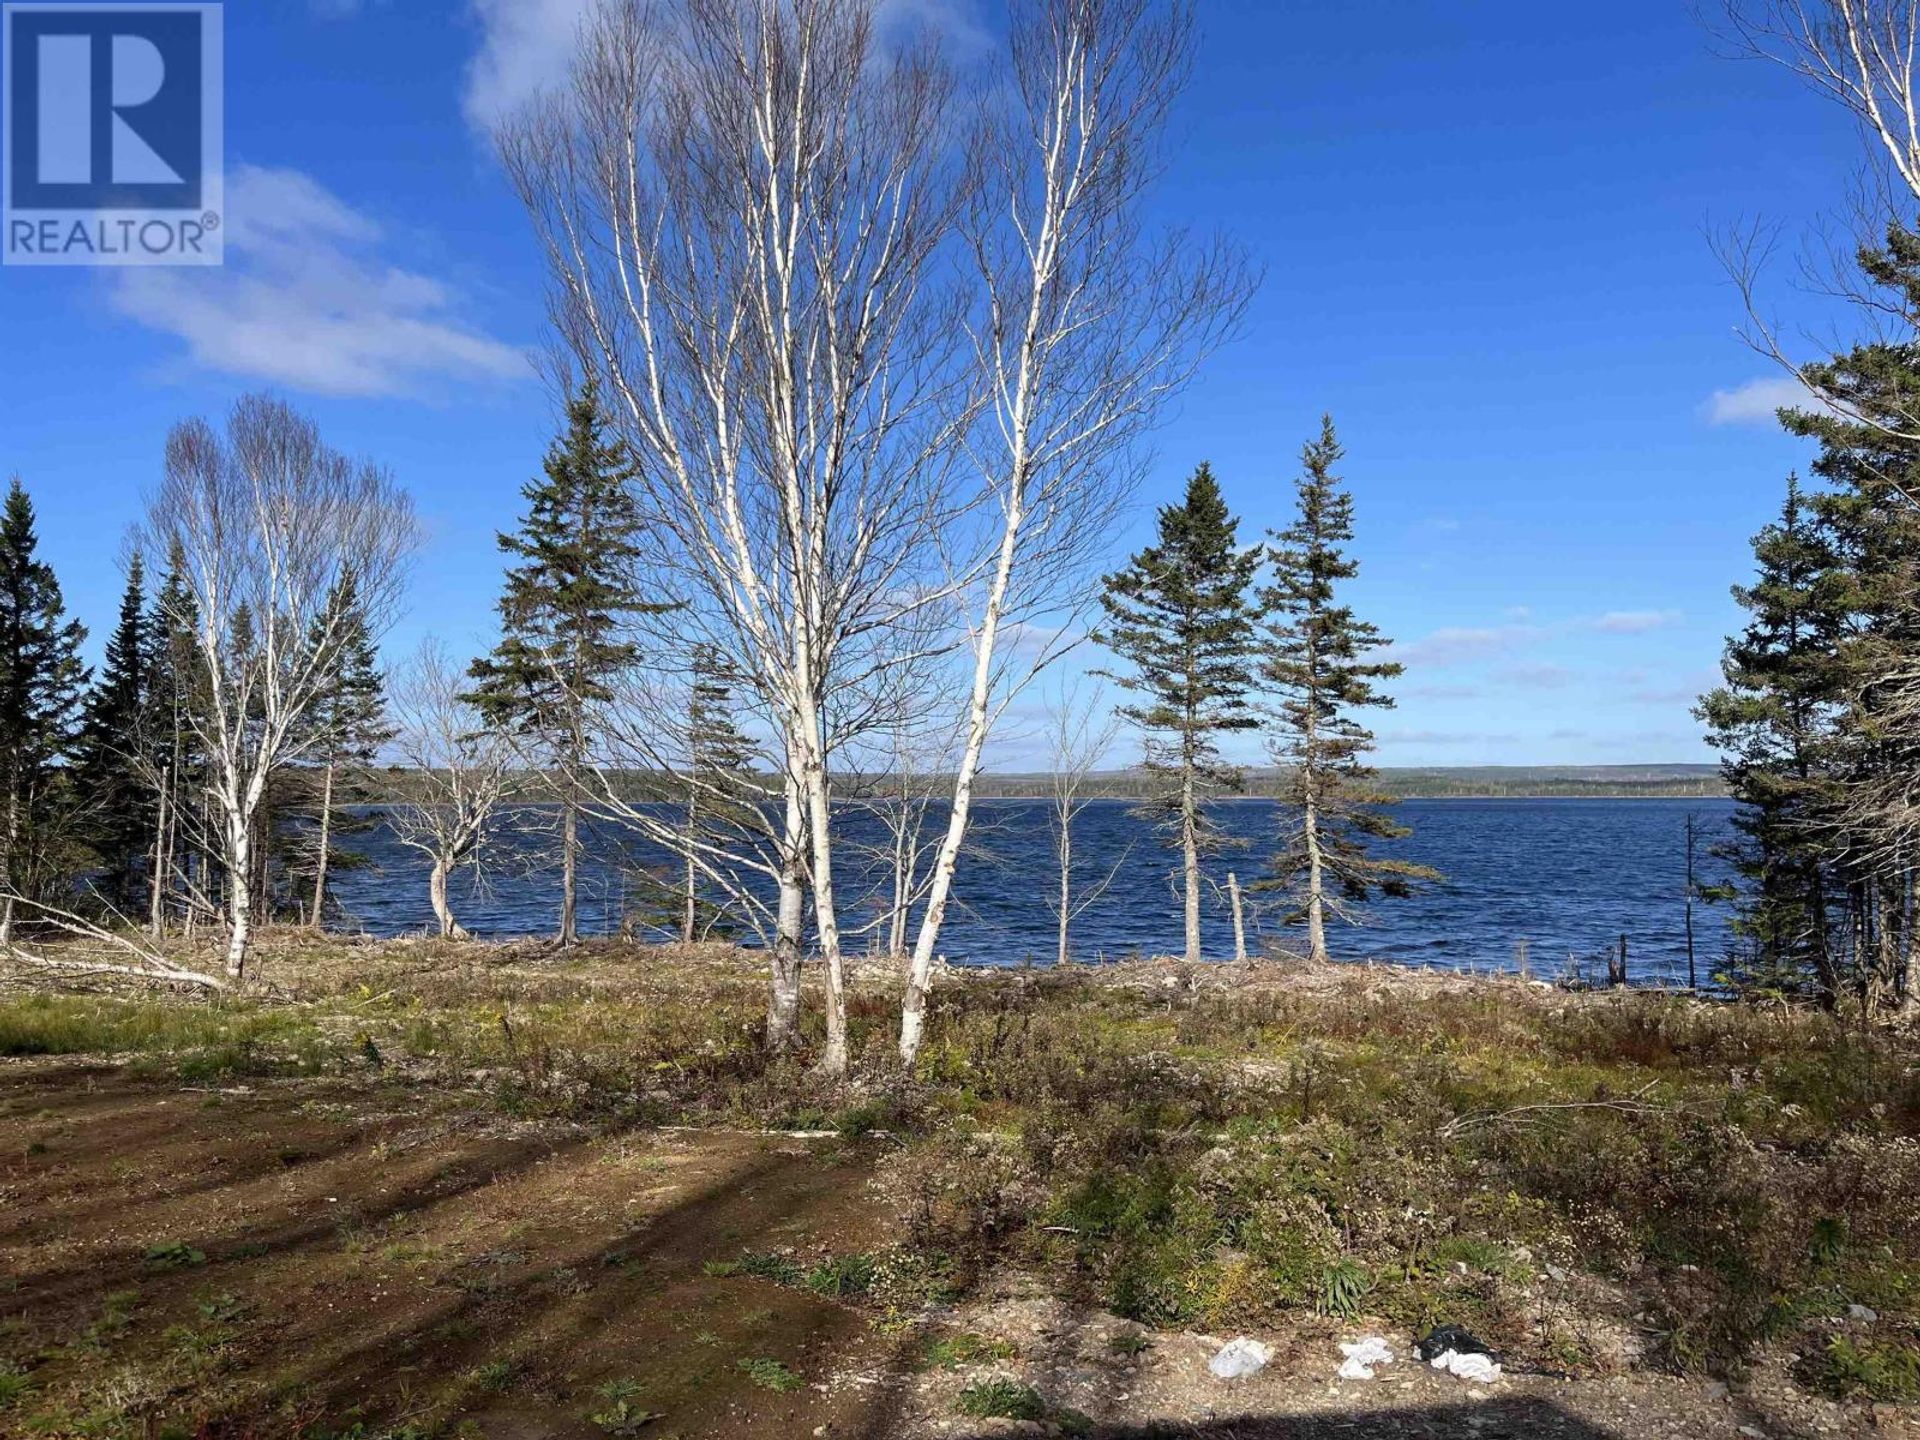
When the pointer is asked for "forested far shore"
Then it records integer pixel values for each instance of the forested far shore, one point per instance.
(1446, 782)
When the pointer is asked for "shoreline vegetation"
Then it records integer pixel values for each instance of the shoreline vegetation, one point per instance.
(422, 1188)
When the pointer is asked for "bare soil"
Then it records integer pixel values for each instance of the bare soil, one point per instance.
(357, 1257)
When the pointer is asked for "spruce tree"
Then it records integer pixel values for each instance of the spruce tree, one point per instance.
(1776, 721)
(718, 756)
(350, 725)
(114, 770)
(41, 683)
(1316, 666)
(1179, 617)
(1868, 515)
(175, 688)
(561, 613)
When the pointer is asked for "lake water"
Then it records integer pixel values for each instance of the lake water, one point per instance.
(1567, 876)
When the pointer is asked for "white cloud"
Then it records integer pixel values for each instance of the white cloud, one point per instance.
(1754, 403)
(306, 301)
(1635, 622)
(525, 46)
(1459, 645)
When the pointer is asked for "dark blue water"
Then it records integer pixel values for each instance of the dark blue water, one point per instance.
(1566, 876)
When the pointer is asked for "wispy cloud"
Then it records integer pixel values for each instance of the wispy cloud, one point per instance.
(1635, 622)
(1461, 645)
(1756, 402)
(1438, 692)
(1535, 676)
(1445, 737)
(527, 45)
(307, 301)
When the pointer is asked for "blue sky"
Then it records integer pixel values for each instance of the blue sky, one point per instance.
(1484, 229)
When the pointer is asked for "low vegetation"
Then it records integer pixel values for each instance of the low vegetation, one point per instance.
(1591, 1182)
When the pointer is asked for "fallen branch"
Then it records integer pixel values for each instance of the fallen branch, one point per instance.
(1628, 1105)
(145, 964)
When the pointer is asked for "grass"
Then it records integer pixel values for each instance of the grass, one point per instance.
(1000, 1399)
(951, 1352)
(15, 1385)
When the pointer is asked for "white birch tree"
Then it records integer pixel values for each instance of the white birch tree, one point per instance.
(458, 771)
(742, 213)
(1083, 326)
(267, 522)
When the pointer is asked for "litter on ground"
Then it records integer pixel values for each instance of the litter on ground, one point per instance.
(1362, 1356)
(1240, 1358)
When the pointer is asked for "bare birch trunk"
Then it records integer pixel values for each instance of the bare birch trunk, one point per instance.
(569, 846)
(326, 841)
(913, 1006)
(7, 865)
(1061, 953)
(162, 858)
(239, 891)
(450, 928)
(833, 1059)
(783, 991)
(1239, 921)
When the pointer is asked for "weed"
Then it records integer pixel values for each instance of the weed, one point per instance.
(952, 1351)
(14, 1384)
(225, 1308)
(623, 1413)
(173, 1255)
(1869, 1370)
(497, 1375)
(771, 1375)
(1344, 1286)
(841, 1276)
(1000, 1399)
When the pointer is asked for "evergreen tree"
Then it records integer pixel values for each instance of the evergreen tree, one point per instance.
(1776, 722)
(561, 612)
(174, 667)
(718, 755)
(1179, 617)
(1316, 665)
(350, 725)
(114, 770)
(1868, 517)
(41, 683)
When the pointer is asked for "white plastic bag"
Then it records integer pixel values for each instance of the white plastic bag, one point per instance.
(1480, 1369)
(1240, 1358)
(1362, 1356)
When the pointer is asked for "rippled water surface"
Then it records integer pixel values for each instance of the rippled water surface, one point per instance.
(1566, 876)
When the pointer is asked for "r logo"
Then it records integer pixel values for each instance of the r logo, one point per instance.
(112, 108)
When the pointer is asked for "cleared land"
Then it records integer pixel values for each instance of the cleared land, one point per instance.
(421, 1190)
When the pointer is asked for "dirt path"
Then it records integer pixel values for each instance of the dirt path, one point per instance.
(305, 1258)
(321, 1254)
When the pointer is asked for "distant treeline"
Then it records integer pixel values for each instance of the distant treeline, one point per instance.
(1423, 783)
